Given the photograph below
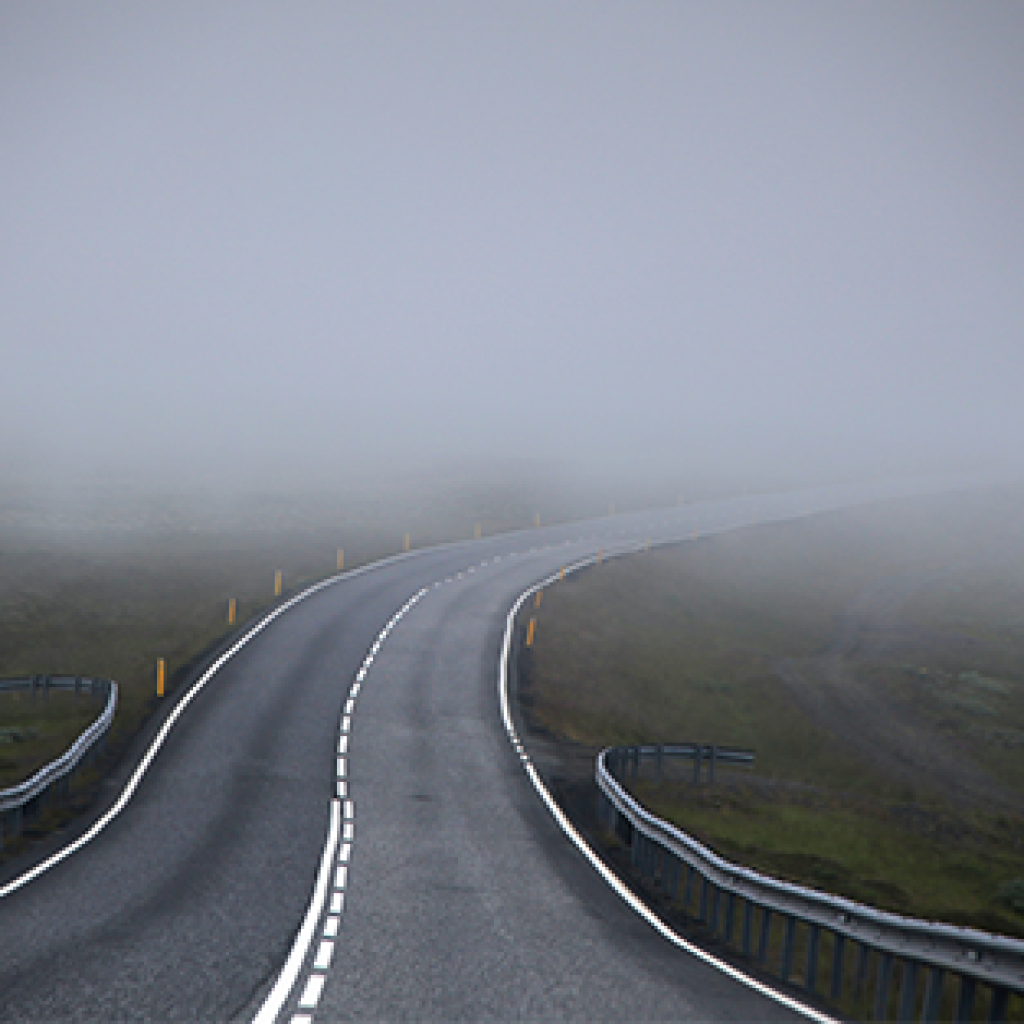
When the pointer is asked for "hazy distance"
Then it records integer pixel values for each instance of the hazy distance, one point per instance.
(301, 246)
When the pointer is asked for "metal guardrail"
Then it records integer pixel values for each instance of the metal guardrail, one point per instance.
(621, 760)
(669, 858)
(54, 779)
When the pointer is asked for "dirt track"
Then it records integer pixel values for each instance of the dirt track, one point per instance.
(840, 692)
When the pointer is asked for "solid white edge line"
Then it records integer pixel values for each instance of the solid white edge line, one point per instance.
(136, 777)
(289, 973)
(630, 898)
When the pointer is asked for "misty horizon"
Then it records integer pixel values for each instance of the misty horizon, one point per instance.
(280, 248)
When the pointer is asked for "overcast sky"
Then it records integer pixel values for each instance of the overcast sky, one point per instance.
(290, 241)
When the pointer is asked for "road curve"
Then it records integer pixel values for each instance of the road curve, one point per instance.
(462, 897)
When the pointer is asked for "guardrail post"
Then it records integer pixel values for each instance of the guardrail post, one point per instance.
(675, 876)
(932, 995)
(788, 942)
(712, 755)
(882, 986)
(730, 914)
(861, 971)
(908, 992)
(704, 884)
(838, 948)
(762, 943)
(1000, 1003)
(811, 979)
(688, 896)
(657, 763)
(697, 751)
(716, 905)
(965, 1001)
(748, 925)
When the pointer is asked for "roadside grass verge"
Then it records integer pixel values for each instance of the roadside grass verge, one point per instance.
(909, 610)
(35, 732)
(860, 850)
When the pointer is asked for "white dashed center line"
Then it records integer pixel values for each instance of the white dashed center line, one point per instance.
(324, 955)
(328, 885)
(311, 993)
(333, 878)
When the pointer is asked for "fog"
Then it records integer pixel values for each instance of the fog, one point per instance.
(308, 245)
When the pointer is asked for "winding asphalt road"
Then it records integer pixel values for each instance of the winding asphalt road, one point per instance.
(448, 889)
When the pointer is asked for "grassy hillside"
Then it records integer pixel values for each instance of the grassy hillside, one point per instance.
(874, 659)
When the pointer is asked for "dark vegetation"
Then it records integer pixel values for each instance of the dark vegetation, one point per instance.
(34, 731)
(874, 659)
